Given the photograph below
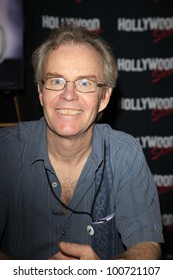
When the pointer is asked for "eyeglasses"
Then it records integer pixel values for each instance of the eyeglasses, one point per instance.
(82, 85)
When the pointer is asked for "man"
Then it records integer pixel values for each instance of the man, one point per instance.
(71, 188)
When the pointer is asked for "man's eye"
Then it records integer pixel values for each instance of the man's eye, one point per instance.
(57, 81)
(85, 83)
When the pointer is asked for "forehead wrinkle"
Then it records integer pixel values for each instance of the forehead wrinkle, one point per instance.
(56, 75)
(74, 69)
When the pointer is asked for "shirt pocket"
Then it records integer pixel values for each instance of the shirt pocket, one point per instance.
(103, 237)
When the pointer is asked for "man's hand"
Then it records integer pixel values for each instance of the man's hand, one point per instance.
(74, 251)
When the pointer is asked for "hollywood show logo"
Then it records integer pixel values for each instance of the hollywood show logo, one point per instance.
(160, 68)
(164, 183)
(161, 27)
(159, 107)
(52, 22)
(157, 114)
(159, 146)
(167, 221)
(158, 35)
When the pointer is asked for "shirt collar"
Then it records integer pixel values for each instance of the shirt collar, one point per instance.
(40, 151)
(98, 145)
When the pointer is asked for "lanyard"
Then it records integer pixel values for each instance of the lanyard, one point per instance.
(95, 196)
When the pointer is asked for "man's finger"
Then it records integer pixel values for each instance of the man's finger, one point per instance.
(73, 249)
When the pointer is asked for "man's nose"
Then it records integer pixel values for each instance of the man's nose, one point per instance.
(69, 92)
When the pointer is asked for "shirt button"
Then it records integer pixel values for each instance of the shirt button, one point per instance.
(90, 230)
(64, 233)
(54, 184)
(55, 212)
(156, 227)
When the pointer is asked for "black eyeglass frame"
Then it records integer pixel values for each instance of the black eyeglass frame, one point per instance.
(99, 85)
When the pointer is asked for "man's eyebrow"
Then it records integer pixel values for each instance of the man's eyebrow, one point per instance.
(90, 77)
(53, 74)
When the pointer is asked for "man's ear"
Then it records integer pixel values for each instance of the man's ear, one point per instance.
(105, 99)
(40, 94)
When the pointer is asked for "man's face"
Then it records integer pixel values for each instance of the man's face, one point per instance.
(70, 113)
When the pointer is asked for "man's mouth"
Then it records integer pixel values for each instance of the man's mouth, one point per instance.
(69, 111)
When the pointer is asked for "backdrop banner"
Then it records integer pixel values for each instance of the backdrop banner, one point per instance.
(141, 34)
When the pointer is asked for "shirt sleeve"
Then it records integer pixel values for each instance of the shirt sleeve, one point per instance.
(137, 203)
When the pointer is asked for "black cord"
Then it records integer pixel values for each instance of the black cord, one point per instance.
(95, 196)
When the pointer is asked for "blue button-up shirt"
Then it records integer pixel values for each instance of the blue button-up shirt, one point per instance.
(32, 221)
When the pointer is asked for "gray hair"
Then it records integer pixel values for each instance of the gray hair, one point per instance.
(79, 35)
